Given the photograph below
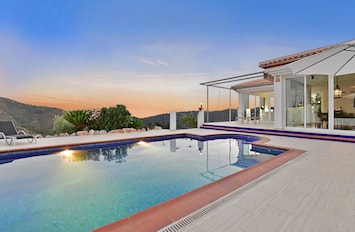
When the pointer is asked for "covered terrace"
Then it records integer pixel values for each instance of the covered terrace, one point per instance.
(312, 91)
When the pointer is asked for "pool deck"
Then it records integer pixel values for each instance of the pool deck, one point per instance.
(298, 191)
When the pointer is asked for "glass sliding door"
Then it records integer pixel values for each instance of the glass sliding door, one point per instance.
(267, 106)
(317, 101)
(308, 99)
(295, 102)
(344, 102)
(254, 106)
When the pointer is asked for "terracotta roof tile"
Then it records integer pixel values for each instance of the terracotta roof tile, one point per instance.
(255, 83)
(291, 58)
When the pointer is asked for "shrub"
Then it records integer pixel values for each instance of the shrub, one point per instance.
(60, 125)
(136, 123)
(79, 118)
(188, 121)
(98, 119)
(112, 118)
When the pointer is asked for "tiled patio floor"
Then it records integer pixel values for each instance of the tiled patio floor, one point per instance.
(315, 192)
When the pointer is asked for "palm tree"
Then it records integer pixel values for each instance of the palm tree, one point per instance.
(79, 118)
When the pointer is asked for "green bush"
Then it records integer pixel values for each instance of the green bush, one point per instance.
(113, 118)
(98, 119)
(188, 121)
(61, 125)
(136, 123)
(79, 118)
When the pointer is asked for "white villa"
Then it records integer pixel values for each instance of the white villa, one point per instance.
(308, 91)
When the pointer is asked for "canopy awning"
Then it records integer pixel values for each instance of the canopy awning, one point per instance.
(226, 83)
(337, 61)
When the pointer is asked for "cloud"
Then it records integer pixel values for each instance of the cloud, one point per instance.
(150, 61)
(162, 62)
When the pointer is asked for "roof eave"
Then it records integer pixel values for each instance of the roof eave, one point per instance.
(294, 57)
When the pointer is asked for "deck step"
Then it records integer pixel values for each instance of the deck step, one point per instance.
(276, 132)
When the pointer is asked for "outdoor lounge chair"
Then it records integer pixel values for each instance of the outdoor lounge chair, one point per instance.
(11, 135)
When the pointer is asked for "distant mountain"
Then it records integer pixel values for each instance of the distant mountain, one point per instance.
(39, 119)
(163, 120)
(35, 119)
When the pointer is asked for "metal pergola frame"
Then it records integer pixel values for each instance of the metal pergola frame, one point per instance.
(218, 83)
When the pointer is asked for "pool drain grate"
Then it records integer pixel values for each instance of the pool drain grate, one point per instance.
(182, 223)
(195, 216)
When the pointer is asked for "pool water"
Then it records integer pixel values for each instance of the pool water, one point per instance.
(85, 189)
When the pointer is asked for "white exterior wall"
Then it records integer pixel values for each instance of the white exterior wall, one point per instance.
(279, 73)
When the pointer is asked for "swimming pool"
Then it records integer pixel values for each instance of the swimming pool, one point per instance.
(78, 190)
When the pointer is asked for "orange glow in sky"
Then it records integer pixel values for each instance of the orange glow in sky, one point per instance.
(140, 105)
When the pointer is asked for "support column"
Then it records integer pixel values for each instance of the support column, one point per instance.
(241, 105)
(173, 121)
(269, 107)
(279, 111)
(230, 105)
(208, 111)
(331, 102)
(200, 118)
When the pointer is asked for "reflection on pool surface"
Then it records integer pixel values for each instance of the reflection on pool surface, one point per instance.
(78, 190)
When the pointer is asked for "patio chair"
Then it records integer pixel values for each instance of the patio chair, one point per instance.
(11, 135)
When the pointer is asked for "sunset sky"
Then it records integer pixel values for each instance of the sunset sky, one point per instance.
(151, 55)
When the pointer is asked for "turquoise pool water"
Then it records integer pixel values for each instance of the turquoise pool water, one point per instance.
(85, 189)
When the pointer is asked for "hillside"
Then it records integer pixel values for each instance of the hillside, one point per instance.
(163, 120)
(39, 119)
(35, 119)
